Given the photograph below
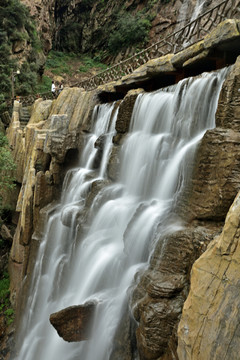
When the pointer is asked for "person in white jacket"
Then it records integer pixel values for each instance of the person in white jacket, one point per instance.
(53, 89)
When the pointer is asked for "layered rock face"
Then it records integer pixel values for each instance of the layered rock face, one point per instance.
(209, 327)
(41, 151)
(43, 14)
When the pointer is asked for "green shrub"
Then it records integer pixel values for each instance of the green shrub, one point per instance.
(4, 288)
(5, 305)
(89, 63)
(57, 62)
(44, 86)
(25, 82)
(7, 168)
(131, 30)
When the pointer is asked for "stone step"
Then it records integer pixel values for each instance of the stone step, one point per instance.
(24, 116)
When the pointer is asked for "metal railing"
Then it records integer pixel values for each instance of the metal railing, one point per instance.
(172, 43)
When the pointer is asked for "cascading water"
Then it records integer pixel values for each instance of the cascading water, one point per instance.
(189, 11)
(199, 8)
(100, 265)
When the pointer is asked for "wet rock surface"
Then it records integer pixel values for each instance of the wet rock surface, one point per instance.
(74, 322)
(209, 327)
(158, 299)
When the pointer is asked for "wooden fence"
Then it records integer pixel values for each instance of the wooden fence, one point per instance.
(172, 43)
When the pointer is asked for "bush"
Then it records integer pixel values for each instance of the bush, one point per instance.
(131, 30)
(7, 168)
(57, 61)
(5, 305)
(89, 63)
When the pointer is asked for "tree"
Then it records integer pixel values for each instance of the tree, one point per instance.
(131, 30)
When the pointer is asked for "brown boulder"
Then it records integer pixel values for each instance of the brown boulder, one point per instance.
(158, 299)
(6, 234)
(228, 111)
(74, 322)
(125, 111)
(216, 178)
(209, 327)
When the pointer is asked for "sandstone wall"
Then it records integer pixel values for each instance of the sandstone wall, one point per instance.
(209, 327)
(40, 150)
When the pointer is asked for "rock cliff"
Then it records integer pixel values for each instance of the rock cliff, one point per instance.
(209, 327)
(84, 26)
(51, 142)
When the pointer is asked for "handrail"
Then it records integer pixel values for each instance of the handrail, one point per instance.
(172, 43)
(29, 99)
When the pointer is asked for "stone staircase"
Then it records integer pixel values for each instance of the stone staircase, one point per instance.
(24, 116)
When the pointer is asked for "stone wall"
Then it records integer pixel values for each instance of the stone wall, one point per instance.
(40, 150)
(209, 327)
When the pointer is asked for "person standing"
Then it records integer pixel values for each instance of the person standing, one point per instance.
(53, 89)
(60, 87)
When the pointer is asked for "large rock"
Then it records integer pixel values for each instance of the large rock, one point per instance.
(209, 327)
(122, 128)
(40, 151)
(216, 178)
(74, 323)
(43, 13)
(228, 111)
(158, 299)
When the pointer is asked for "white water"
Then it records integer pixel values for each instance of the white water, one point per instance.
(199, 8)
(71, 269)
(189, 11)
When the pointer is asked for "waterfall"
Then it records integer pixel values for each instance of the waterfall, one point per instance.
(199, 8)
(99, 263)
(189, 11)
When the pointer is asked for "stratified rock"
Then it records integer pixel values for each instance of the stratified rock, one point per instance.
(216, 178)
(5, 233)
(40, 151)
(158, 299)
(125, 111)
(40, 111)
(74, 322)
(186, 54)
(147, 71)
(227, 31)
(122, 127)
(228, 111)
(209, 328)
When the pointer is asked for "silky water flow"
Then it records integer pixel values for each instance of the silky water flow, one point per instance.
(155, 165)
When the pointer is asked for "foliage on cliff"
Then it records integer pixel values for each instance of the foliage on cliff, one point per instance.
(7, 167)
(17, 32)
(131, 31)
(104, 28)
